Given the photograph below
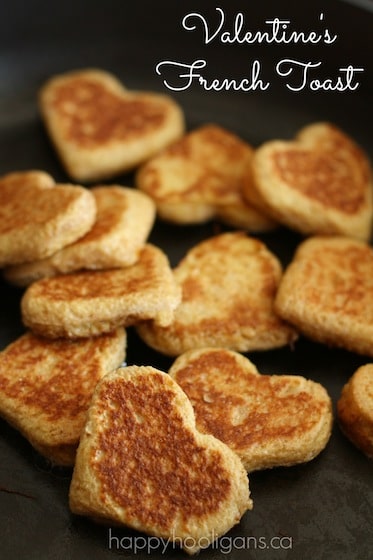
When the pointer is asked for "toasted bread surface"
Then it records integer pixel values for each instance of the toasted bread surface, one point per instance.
(268, 420)
(101, 129)
(124, 220)
(319, 183)
(88, 303)
(46, 387)
(355, 409)
(38, 217)
(228, 285)
(142, 463)
(327, 292)
(199, 177)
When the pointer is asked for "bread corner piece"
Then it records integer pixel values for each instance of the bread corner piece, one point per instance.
(355, 409)
(142, 463)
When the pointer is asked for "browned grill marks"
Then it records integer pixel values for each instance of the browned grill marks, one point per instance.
(92, 115)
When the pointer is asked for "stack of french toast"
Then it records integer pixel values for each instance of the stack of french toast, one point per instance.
(169, 452)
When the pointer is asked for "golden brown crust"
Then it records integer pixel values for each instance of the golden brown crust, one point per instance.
(101, 129)
(88, 303)
(199, 177)
(268, 420)
(316, 179)
(38, 217)
(91, 115)
(124, 219)
(228, 285)
(355, 409)
(320, 183)
(46, 387)
(327, 292)
(142, 463)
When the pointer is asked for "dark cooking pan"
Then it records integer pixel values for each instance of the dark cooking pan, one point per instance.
(323, 509)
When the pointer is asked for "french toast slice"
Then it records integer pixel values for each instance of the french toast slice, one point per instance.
(355, 409)
(228, 284)
(319, 183)
(142, 463)
(89, 303)
(100, 129)
(268, 420)
(46, 387)
(125, 217)
(199, 177)
(39, 217)
(327, 292)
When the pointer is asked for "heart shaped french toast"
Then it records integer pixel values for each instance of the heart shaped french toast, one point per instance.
(39, 217)
(142, 463)
(200, 177)
(124, 220)
(46, 387)
(228, 284)
(101, 129)
(321, 182)
(327, 292)
(92, 302)
(268, 420)
(355, 409)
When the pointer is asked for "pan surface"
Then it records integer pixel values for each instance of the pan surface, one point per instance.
(323, 509)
